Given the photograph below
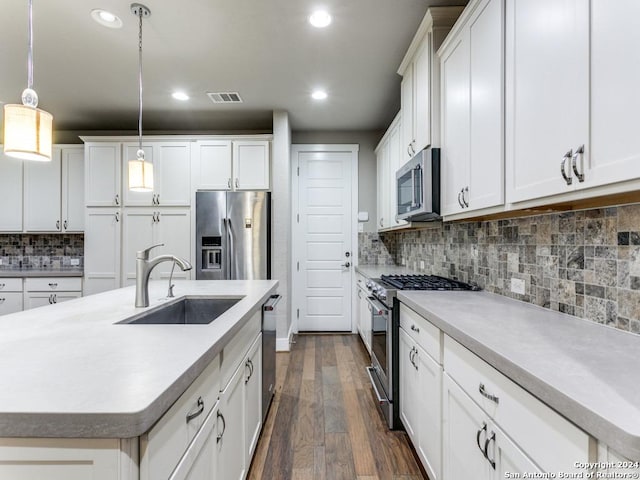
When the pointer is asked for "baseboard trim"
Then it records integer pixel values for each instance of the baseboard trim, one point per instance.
(284, 344)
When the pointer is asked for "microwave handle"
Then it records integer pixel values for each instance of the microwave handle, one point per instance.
(415, 200)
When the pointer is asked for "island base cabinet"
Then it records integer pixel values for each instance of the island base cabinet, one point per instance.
(253, 397)
(68, 459)
(231, 438)
(473, 446)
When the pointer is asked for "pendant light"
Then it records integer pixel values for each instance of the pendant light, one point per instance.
(140, 171)
(27, 129)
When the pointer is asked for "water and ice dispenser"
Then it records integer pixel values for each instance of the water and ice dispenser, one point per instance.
(211, 253)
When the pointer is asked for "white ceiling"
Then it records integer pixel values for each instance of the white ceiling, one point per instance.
(86, 74)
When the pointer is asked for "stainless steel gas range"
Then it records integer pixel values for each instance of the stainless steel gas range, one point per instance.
(385, 313)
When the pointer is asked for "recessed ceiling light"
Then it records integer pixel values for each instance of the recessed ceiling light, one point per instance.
(180, 96)
(320, 19)
(106, 19)
(319, 95)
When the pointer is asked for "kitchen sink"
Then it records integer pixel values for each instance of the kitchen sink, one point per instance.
(185, 311)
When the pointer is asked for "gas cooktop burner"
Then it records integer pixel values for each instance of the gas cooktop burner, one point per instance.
(426, 282)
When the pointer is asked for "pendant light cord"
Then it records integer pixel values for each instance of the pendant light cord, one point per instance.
(30, 49)
(140, 12)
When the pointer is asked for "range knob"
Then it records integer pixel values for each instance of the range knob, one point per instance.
(369, 285)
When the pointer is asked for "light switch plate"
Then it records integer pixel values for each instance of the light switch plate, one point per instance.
(517, 286)
(361, 227)
(421, 264)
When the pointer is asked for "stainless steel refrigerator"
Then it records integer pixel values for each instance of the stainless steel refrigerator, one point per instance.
(233, 235)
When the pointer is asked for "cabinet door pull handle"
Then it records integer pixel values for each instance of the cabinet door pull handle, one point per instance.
(459, 200)
(246, 365)
(200, 404)
(237, 183)
(50, 299)
(482, 391)
(381, 222)
(415, 329)
(567, 156)
(224, 427)
(2, 300)
(53, 285)
(491, 461)
(2, 285)
(465, 195)
(158, 199)
(117, 199)
(229, 183)
(251, 367)
(65, 224)
(55, 298)
(574, 163)
(483, 429)
(409, 149)
(57, 224)
(117, 216)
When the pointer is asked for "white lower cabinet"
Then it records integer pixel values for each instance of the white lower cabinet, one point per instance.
(420, 397)
(473, 446)
(232, 451)
(252, 397)
(364, 318)
(39, 292)
(11, 296)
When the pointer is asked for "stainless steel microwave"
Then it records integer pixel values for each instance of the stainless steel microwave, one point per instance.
(418, 187)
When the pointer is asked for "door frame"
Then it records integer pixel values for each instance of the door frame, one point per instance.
(296, 149)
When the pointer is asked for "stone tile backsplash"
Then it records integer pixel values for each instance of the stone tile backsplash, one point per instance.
(31, 251)
(585, 263)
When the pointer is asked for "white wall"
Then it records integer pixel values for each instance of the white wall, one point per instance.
(366, 163)
(281, 223)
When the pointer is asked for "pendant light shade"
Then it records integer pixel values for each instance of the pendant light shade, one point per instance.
(140, 174)
(27, 129)
(140, 171)
(27, 132)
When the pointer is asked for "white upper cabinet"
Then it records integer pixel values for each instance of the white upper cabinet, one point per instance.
(73, 189)
(547, 94)
(472, 110)
(54, 192)
(211, 165)
(420, 91)
(11, 173)
(171, 174)
(103, 227)
(231, 165)
(389, 158)
(396, 160)
(103, 187)
(251, 165)
(615, 98)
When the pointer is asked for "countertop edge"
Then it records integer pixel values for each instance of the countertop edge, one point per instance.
(125, 424)
(40, 273)
(591, 422)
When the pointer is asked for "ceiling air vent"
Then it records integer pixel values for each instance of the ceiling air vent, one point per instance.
(225, 97)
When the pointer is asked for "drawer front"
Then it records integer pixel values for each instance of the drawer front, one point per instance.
(164, 445)
(549, 439)
(10, 302)
(423, 333)
(236, 349)
(361, 281)
(10, 285)
(53, 284)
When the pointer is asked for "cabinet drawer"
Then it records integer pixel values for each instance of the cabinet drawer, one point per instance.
(52, 284)
(423, 333)
(162, 447)
(10, 285)
(10, 302)
(237, 347)
(549, 439)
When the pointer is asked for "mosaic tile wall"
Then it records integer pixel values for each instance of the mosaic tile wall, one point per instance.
(55, 251)
(584, 263)
(373, 251)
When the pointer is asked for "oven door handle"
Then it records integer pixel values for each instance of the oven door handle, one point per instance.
(381, 399)
(376, 307)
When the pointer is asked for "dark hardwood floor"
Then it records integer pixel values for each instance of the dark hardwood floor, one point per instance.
(324, 422)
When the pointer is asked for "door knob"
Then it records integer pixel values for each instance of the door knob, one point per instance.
(348, 264)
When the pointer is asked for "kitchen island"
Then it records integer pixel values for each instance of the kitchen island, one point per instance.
(72, 371)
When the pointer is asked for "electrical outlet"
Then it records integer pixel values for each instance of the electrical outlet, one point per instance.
(415, 265)
(75, 262)
(403, 262)
(421, 264)
(517, 286)
(0, 261)
(361, 227)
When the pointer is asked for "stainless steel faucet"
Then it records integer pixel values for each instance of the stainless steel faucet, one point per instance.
(143, 271)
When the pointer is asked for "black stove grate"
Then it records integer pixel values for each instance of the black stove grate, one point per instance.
(426, 282)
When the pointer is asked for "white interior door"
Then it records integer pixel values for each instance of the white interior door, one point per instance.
(323, 236)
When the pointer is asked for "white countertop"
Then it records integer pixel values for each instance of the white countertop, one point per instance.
(589, 373)
(40, 272)
(68, 371)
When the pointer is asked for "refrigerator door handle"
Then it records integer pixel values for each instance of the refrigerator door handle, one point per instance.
(231, 249)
